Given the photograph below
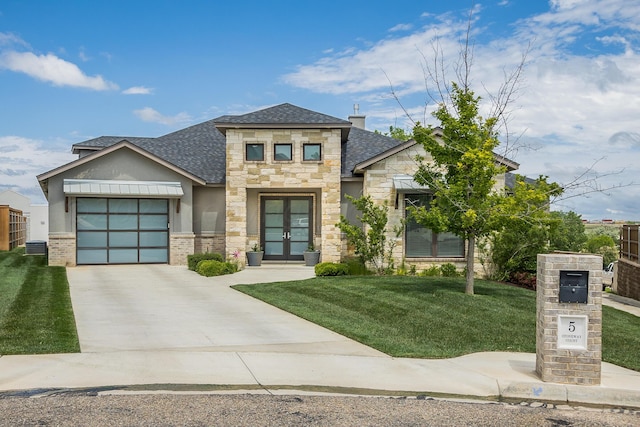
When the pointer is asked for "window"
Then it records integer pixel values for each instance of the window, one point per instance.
(421, 242)
(254, 152)
(311, 152)
(282, 152)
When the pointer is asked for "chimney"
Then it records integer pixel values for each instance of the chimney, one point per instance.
(356, 119)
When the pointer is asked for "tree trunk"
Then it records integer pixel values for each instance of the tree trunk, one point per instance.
(471, 249)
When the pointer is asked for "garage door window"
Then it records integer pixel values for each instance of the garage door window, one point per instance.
(122, 231)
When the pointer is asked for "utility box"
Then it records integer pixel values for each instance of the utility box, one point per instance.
(574, 286)
(569, 318)
(36, 247)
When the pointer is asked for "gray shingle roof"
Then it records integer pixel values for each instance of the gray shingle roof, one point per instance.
(363, 145)
(200, 149)
(107, 141)
(282, 114)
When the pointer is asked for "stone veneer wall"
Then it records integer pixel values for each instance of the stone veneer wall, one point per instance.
(378, 183)
(274, 176)
(62, 250)
(568, 366)
(180, 245)
(628, 279)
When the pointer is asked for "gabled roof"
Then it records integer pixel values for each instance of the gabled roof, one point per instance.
(105, 141)
(283, 116)
(200, 150)
(44, 178)
(363, 145)
(359, 168)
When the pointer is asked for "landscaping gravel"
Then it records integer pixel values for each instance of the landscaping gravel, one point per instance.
(302, 410)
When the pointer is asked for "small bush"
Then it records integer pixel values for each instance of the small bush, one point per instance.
(355, 267)
(193, 260)
(211, 267)
(449, 270)
(523, 279)
(331, 269)
(432, 271)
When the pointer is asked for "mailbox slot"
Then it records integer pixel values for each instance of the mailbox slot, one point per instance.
(574, 286)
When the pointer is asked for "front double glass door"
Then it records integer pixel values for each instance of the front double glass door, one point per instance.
(286, 230)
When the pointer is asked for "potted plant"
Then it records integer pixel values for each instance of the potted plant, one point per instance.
(254, 256)
(311, 256)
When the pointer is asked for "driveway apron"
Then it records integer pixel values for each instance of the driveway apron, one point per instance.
(169, 308)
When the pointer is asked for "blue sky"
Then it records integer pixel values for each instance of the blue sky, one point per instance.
(75, 70)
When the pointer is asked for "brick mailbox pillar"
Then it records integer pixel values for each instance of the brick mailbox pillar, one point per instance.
(569, 318)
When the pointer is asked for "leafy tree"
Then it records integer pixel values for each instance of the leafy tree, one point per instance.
(516, 246)
(462, 174)
(603, 245)
(607, 230)
(370, 239)
(398, 133)
(567, 232)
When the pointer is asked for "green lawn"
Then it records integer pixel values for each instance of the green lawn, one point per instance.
(430, 317)
(35, 307)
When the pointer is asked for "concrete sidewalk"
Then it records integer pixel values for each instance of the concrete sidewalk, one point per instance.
(508, 376)
(289, 369)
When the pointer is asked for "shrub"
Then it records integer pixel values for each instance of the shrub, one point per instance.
(193, 260)
(434, 270)
(355, 267)
(449, 270)
(211, 267)
(523, 279)
(603, 245)
(331, 269)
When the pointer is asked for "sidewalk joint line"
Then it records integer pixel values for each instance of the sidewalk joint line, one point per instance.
(251, 372)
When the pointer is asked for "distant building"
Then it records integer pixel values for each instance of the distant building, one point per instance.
(37, 215)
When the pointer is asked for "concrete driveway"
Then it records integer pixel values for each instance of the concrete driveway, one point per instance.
(169, 308)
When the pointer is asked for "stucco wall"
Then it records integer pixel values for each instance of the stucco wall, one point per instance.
(209, 210)
(127, 165)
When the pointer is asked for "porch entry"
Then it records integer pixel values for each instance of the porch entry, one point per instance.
(286, 226)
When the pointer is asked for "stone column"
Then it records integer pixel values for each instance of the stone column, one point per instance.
(569, 334)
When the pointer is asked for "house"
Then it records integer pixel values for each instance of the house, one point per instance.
(275, 177)
(36, 214)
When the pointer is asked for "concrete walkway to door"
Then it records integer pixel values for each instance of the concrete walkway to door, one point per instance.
(169, 308)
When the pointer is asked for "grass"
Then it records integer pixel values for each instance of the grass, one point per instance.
(431, 317)
(35, 307)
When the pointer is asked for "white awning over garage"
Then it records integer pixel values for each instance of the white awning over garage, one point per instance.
(114, 188)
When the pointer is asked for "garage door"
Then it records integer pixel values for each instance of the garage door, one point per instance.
(122, 231)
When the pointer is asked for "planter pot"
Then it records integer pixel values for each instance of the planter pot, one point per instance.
(311, 258)
(254, 259)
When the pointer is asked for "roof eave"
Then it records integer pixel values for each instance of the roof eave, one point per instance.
(360, 167)
(75, 149)
(122, 144)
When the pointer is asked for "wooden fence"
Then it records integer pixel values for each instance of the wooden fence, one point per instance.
(629, 242)
(13, 228)
(628, 268)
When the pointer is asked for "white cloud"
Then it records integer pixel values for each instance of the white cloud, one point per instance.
(401, 27)
(576, 104)
(8, 39)
(148, 114)
(52, 69)
(22, 159)
(138, 90)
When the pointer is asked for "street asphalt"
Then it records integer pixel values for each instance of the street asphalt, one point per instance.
(164, 328)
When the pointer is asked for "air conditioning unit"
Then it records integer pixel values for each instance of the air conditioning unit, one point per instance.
(36, 247)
